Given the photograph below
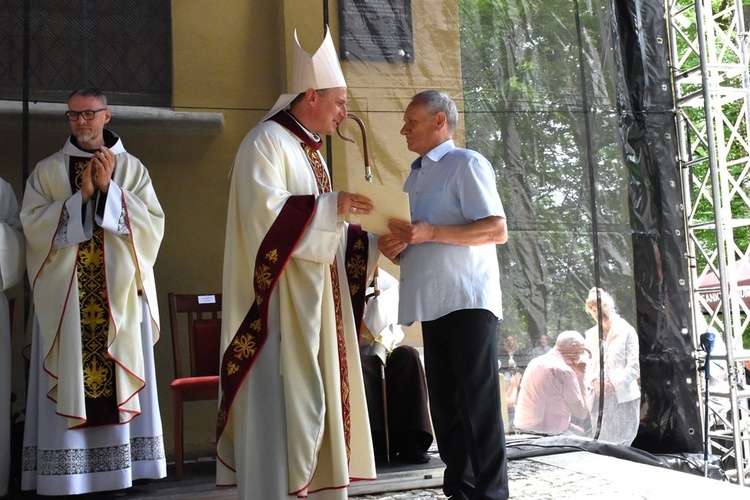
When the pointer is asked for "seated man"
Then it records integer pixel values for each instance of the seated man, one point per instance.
(410, 432)
(552, 389)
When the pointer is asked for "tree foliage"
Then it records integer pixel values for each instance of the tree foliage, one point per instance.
(541, 103)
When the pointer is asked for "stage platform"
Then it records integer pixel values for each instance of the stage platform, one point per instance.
(564, 475)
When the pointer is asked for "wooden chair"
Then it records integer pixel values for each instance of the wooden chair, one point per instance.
(203, 333)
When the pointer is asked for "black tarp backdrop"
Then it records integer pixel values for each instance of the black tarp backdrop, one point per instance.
(670, 415)
(572, 103)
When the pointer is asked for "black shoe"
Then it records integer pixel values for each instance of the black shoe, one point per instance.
(414, 457)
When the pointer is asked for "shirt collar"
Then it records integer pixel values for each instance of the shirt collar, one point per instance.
(435, 154)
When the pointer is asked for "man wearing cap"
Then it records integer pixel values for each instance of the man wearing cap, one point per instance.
(292, 417)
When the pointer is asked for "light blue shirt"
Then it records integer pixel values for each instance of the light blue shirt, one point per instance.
(450, 186)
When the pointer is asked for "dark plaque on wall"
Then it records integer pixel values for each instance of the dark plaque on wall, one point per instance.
(376, 30)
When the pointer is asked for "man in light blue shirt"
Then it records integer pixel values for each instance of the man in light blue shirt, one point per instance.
(450, 282)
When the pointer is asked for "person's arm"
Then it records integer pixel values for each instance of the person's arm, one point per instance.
(574, 388)
(625, 367)
(391, 247)
(578, 408)
(511, 395)
(485, 231)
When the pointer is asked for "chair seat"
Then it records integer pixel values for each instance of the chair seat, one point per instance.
(197, 387)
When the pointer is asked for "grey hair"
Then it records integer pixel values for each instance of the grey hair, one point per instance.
(89, 92)
(436, 101)
(568, 338)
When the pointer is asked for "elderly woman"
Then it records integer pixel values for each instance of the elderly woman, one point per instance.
(620, 387)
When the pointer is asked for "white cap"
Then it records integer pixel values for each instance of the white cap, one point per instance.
(321, 70)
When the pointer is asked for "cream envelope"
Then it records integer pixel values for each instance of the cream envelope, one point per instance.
(390, 203)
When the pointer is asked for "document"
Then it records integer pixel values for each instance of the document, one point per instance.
(390, 203)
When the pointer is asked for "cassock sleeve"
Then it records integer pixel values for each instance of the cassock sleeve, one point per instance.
(12, 261)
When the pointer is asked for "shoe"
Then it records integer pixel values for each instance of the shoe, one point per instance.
(414, 457)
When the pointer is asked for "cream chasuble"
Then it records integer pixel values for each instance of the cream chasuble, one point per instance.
(285, 431)
(51, 216)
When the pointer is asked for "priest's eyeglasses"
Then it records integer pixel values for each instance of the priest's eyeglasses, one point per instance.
(87, 115)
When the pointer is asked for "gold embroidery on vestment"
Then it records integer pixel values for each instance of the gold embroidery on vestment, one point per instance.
(356, 267)
(244, 346)
(98, 367)
(263, 277)
(273, 255)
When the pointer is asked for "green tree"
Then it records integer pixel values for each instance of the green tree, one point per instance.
(540, 103)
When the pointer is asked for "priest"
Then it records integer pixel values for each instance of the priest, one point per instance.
(12, 266)
(93, 227)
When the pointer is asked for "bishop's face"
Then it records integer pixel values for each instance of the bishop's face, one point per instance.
(330, 109)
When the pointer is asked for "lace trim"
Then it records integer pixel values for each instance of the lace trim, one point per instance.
(61, 236)
(123, 223)
(92, 460)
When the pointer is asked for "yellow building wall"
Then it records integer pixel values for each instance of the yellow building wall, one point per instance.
(233, 57)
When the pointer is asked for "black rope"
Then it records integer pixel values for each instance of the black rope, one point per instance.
(594, 217)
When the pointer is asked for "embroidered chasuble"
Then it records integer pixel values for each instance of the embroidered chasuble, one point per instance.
(289, 332)
(236, 364)
(92, 421)
(98, 367)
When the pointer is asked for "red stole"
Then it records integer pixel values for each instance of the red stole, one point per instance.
(273, 254)
(356, 271)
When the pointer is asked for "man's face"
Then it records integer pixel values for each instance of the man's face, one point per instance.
(330, 110)
(88, 133)
(573, 353)
(420, 128)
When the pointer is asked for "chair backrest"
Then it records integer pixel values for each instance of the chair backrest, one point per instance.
(202, 327)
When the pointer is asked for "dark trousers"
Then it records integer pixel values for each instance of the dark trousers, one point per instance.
(409, 426)
(460, 354)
